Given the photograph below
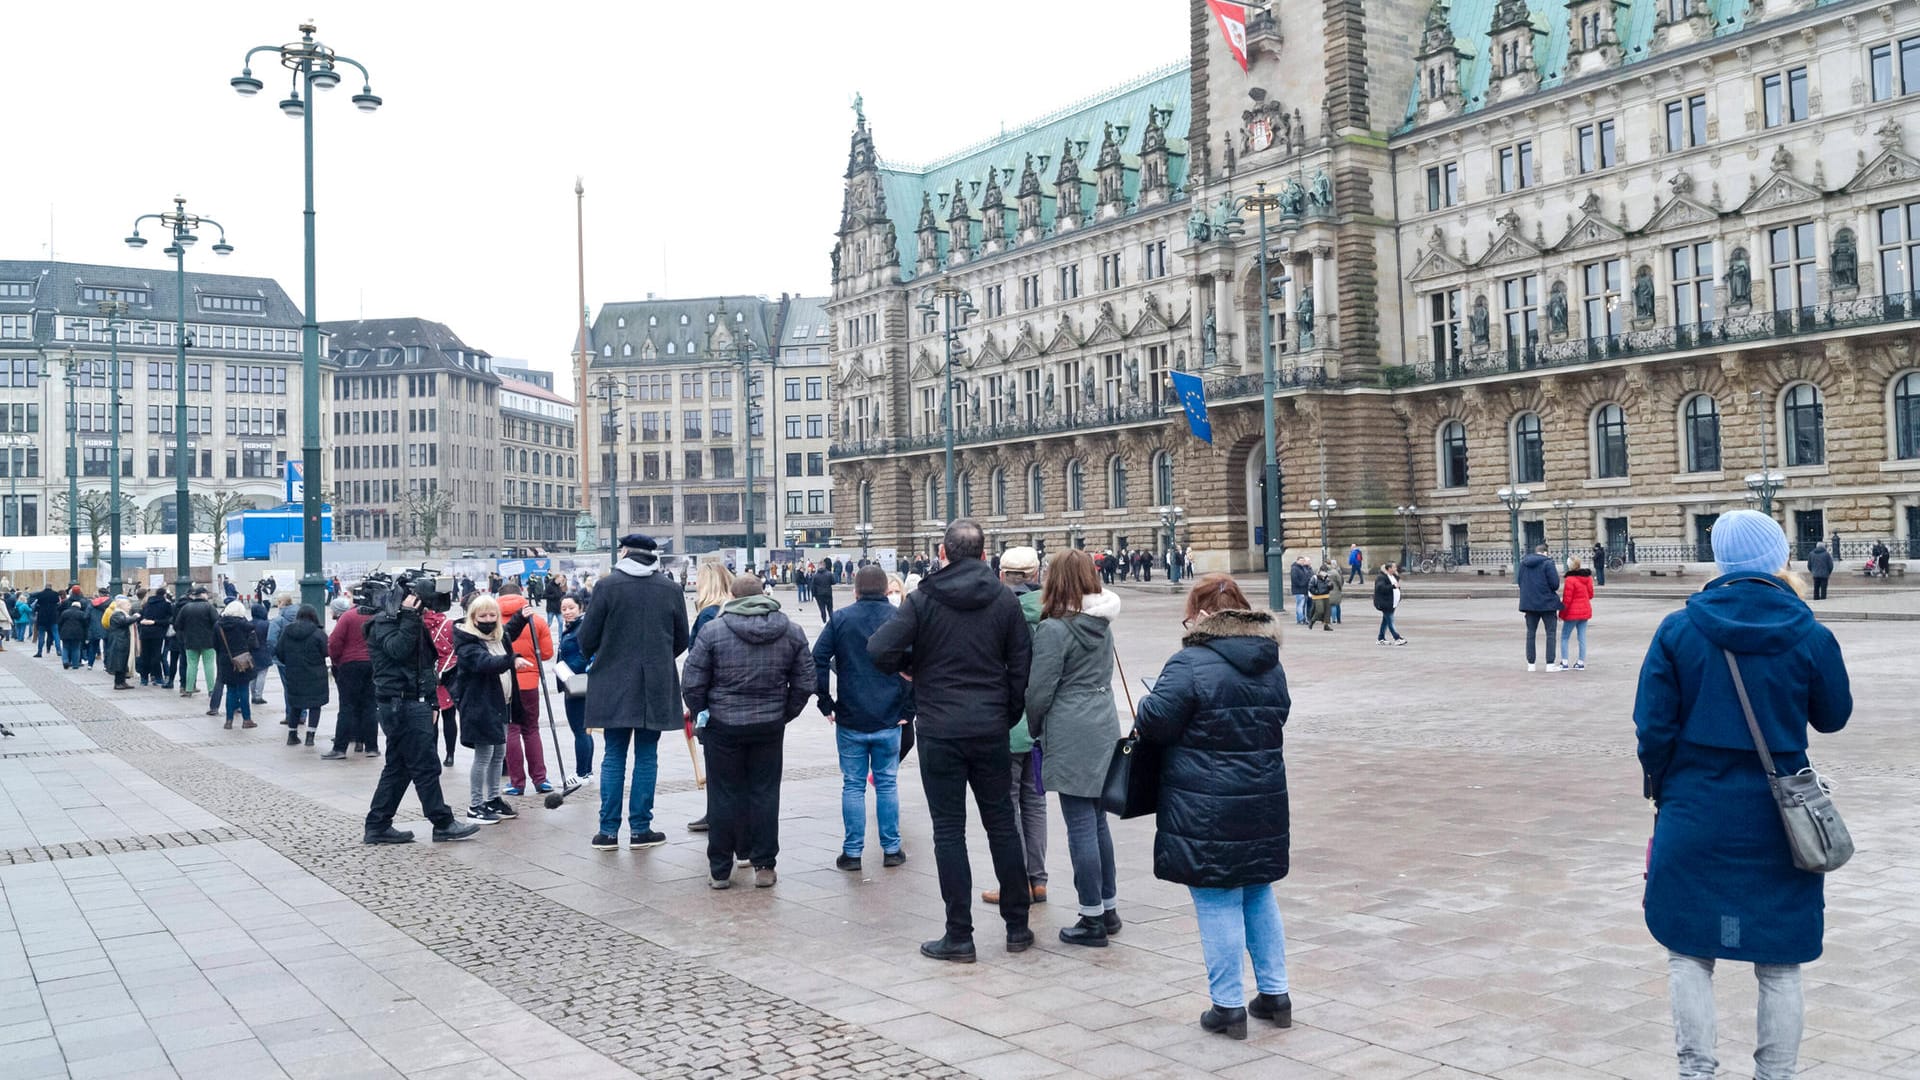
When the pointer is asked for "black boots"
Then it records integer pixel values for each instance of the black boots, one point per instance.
(293, 736)
(1275, 1007)
(958, 952)
(1091, 931)
(1229, 1022)
(309, 736)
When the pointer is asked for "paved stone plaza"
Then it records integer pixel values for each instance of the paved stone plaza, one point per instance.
(176, 899)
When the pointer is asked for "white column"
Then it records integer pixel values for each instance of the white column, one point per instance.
(1223, 316)
(1323, 297)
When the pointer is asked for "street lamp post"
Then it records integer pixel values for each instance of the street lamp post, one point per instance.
(1766, 483)
(72, 379)
(747, 357)
(1565, 506)
(1262, 202)
(956, 303)
(314, 67)
(182, 229)
(1170, 518)
(1323, 509)
(865, 529)
(1514, 498)
(612, 389)
(1406, 514)
(115, 309)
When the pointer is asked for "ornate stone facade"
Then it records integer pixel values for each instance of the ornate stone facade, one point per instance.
(1623, 257)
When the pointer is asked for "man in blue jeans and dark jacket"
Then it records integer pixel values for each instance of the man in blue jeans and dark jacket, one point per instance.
(868, 715)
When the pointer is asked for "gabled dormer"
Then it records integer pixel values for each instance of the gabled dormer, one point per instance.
(1512, 37)
(1066, 188)
(1593, 34)
(1156, 166)
(959, 226)
(927, 233)
(1681, 22)
(1439, 62)
(993, 215)
(1032, 202)
(1110, 174)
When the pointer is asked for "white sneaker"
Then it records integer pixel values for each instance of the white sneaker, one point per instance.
(1549, 668)
(1529, 667)
(1563, 665)
(1581, 666)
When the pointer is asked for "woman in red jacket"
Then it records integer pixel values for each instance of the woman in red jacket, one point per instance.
(1576, 607)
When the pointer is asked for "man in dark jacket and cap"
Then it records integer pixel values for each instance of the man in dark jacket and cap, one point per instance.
(821, 589)
(964, 640)
(750, 671)
(631, 633)
(1539, 598)
(406, 683)
(867, 718)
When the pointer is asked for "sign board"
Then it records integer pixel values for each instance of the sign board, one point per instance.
(296, 481)
(154, 581)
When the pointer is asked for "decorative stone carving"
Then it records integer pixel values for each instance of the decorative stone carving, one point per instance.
(1844, 264)
(1479, 323)
(1293, 199)
(1322, 193)
(1557, 309)
(1199, 227)
(1739, 279)
(1643, 292)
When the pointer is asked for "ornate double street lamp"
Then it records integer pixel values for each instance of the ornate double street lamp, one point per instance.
(184, 228)
(1406, 514)
(1170, 520)
(955, 306)
(1766, 483)
(612, 389)
(865, 529)
(1323, 509)
(115, 309)
(1514, 498)
(747, 356)
(1565, 506)
(72, 379)
(1260, 202)
(314, 67)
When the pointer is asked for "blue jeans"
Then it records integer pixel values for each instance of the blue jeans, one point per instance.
(73, 653)
(1387, 627)
(582, 742)
(1336, 613)
(238, 700)
(1778, 1019)
(1235, 923)
(1090, 846)
(1300, 607)
(861, 753)
(613, 774)
(1577, 627)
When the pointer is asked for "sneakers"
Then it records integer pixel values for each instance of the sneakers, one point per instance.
(1530, 667)
(849, 863)
(334, 755)
(646, 840)
(1580, 666)
(1551, 668)
(1090, 931)
(373, 751)
(717, 883)
(1275, 1007)
(1379, 641)
(764, 878)
(1399, 641)
(455, 831)
(516, 791)
(954, 952)
(501, 809)
(894, 858)
(482, 815)
(543, 787)
(603, 842)
(388, 835)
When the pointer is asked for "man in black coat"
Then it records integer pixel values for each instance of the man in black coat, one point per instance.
(963, 639)
(46, 617)
(1820, 568)
(1301, 579)
(822, 589)
(406, 693)
(193, 625)
(1539, 598)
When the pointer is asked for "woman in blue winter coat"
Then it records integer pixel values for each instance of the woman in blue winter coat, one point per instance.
(1721, 883)
(1220, 708)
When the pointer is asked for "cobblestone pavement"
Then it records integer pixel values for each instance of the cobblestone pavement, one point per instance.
(1465, 897)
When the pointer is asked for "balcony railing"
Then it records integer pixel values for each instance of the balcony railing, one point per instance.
(1097, 416)
(1783, 325)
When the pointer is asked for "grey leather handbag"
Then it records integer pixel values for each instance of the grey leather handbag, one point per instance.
(1817, 837)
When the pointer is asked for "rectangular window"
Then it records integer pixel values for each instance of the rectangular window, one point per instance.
(793, 427)
(929, 410)
(1890, 80)
(692, 465)
(793, 465)
(816, 502)
(723, 423)
(792, 389)
(1443, 186)
(816, 464)
(1790, 256)
(1897, 231)
(815, 388)
(996, 296)
(1153, 261)
(1686, 123)
(1520, 311)
(1110, 270)
(816, 427)
(793, 502)
(723, 463)
(1598, 149)
(1443, 327)
(1069, 281)
(1516, 166)
(1030, 291)
(1783, 97)
(690, 424)
(1693, 277)
(1600, 283)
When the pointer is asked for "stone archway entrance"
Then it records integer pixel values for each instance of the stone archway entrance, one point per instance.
(1246, 502)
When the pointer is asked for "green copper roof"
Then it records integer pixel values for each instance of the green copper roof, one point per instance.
(1125, 107)
(1471, 20)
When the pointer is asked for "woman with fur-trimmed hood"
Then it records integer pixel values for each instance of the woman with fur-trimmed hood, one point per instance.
(1219, 708)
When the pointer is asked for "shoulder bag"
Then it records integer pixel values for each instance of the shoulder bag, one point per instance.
(1133, 773)
(242, 662)
(1817, 837)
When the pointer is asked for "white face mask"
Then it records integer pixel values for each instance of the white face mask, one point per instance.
(894, 599)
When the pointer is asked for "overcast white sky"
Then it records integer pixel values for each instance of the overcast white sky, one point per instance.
(711, 137)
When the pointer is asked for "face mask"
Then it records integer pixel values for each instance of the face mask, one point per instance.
(894, 599)
(486, 626)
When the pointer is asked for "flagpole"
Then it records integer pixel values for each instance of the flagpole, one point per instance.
(1276, 554)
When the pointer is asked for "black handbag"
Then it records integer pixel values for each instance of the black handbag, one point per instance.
(1133, 773)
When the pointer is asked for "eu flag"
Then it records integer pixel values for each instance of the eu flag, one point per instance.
(1193, 398)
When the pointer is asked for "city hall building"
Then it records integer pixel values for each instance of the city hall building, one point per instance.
(1649, 261)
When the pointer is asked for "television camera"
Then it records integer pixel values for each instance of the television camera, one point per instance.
(381, 591)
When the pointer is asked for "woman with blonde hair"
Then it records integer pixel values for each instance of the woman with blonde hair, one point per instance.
(120, 641)
(482, 682)
(712, 589)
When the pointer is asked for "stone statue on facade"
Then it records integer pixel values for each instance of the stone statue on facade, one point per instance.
(1133, 377)
(1209, 342)
(1739, 277)
(1303, 316)
(973, 405)
(1086, 387)
(1046, 394)
(1845, 264)
(1012, 402)
(1322, 191)
(1222, 214)
(1199, 229)
(1293, 199)
(1557, 308)
(1643, 293)
(1478, 322)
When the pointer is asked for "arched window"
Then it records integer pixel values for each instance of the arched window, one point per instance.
(933, 498)
(1076, 486)
(709, 318)
(1906, 416)
(1453, 454)
(621, 322)
(653, 320)
(997, 493)
(626, 349)
(1163, 478)
(690, 348)
(523, 461)
(1529, 450)
(1803, 425)
(683, 320)
(866, 502)
(1609, 442)
(966, 494)
(1700, 432)
(1117, 482)
(669, 348)
(1036, 490)
(606, 350)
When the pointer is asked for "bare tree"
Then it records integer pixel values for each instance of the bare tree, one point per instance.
(95, 516)
(154, 518)
(425, 512)
(210, 512)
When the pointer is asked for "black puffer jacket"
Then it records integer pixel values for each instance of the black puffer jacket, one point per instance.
(479, 691)
(193, 624)
(1219, 708)
(964, 639)
(405, 667)
(73, 621)
(302, 655)
(750, 668)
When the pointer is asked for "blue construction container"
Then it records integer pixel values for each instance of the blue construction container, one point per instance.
(251, 534)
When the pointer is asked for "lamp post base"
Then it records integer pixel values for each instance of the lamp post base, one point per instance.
(586, 533)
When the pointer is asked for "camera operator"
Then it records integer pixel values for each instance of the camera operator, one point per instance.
(405, 683)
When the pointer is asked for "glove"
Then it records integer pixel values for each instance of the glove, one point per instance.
(516, 624)
(827, 707)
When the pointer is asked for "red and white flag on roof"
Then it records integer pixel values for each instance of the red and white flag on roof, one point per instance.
(1233, 23)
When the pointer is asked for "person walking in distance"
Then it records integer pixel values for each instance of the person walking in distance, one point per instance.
(1576, 610)
(1820, 568)
(354, 723)
(1320, 597)
(1301, 579)
(302, 659)
(750, 671)
(156, 616)
(405, 674)
(1882, 557)
(1386, 601)
(821, 589)
(634, 628)
(119, 648)
(1220, 709)
(1539, 598)
(1071, 712)
(867, 719)
(46, 622)
(962, 638)
(72, 627)
(1020, 571)
(1599, 554)
(1354, 561)
(1721, 879)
